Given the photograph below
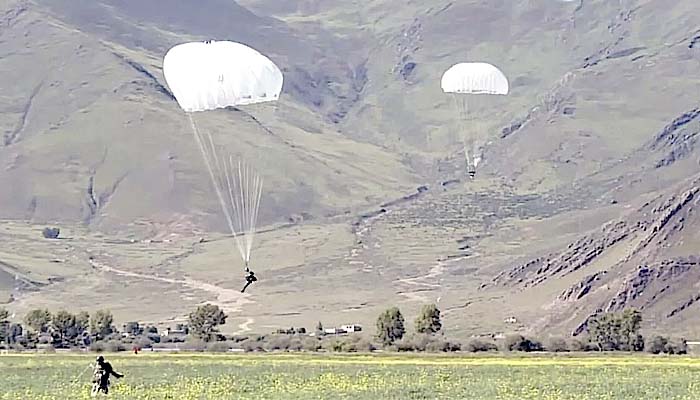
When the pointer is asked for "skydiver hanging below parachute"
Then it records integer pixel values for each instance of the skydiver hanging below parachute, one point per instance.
(250, 278)
(469, 85)
(205, 76)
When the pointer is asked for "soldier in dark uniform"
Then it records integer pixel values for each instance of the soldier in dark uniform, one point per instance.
(250, 278)
(100, 376)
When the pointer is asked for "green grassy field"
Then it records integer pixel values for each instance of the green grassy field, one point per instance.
(357, 377)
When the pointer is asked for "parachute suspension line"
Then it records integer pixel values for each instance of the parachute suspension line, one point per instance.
(254, 185)
(242, 212)
(469, 133)
(212, 175)
(243, 188)
(258, 185)
(231, 186)
(461, 101)
(462, 104)
(245, 194)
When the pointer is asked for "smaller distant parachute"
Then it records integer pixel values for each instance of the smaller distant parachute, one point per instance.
(469, 84)
(474, 78)
(205, 76)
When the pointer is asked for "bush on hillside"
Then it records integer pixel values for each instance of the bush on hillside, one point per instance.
(521, 343)
(51, 233)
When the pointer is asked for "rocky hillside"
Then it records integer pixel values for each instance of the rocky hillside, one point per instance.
(646, 259)
(92, 135)
(586, 200)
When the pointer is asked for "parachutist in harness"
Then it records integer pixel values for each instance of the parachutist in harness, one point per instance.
(100, 376)
(472, 161)
(233, 75)
(250, 278)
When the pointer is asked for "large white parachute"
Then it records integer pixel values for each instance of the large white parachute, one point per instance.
(205, 76)
(468, 83)
(209, 75)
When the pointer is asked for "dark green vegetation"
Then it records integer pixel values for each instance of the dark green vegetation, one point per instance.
(63, 330)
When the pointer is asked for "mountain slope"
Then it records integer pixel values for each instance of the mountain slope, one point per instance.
(91, 133)
(644, 259)
(586, 199)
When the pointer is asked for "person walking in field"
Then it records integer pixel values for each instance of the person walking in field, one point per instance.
(100, 376)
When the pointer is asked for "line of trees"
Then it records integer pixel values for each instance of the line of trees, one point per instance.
(620, 332)
(606, 332)
(97, 330)
(427, 336)
(390, 324)
(61, 329)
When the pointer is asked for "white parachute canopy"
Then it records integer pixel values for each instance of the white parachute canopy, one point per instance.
(474, 78)
(462, 81)
(210, 75)
(205, 76)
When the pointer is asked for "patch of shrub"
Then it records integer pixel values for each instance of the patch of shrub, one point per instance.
(46, 349)
(348, 344)
(441, 345)
(17, 347)
(195, 344)
(331, 344)
(679, 346)
(51, 233)
(218, 347)
(521, 343)
(43, 340)
(252, 345)
(275, 342)
(291, 331)
(151, 329)
(97, 347)
(660, 344)
(557, 345)
(282, 342)
(113, 336)
(416, 342)
(581, 344)
(111, 346)
(656, 345)
(391, 348)
(295, 344)
(143, 343)
(310, 344)
(168, 339)
(153, 338)
(425, 342)
(577, 345)
(478, 345)
(238, 338)
(114, 346)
